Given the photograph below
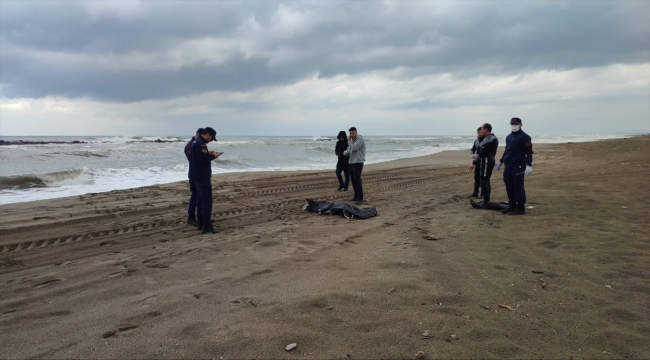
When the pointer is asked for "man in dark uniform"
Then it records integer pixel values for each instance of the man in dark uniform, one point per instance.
(487, 149)
(193, 206)
(202, 158)
(475, 161)
(518, 159)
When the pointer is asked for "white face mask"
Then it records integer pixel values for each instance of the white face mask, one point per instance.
(515, 128)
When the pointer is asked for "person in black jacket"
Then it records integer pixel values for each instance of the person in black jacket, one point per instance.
(475, 160)
(518, 159)
(193, 205)
(486, 152)
(202, 172)
(343, 163)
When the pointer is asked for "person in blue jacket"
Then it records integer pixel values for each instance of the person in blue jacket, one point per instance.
(518, 160)
(202, 172)
(193, 205)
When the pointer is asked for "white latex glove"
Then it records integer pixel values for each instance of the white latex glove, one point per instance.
(529, 170)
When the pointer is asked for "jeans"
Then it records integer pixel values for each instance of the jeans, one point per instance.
(346, 172)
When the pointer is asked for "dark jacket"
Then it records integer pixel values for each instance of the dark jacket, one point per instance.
(341, 146)
(475, 147)
(202, 160)
(487, 149)
(519, 149)
(188, 154)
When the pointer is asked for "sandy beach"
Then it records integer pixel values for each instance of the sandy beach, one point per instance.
(121, 275)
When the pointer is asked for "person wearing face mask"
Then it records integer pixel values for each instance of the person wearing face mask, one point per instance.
(518, 161)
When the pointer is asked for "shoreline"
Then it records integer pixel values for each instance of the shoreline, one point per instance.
(448, 157)
(121, 275)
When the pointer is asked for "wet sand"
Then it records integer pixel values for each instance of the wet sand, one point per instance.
(120, 274)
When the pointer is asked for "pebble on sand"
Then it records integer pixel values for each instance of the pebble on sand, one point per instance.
(291, 346)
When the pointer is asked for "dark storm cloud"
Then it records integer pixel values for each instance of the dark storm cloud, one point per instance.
(76, 49)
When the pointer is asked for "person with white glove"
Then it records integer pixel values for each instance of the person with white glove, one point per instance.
(518, 161)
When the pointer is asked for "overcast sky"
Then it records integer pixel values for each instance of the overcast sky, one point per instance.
(317, 67)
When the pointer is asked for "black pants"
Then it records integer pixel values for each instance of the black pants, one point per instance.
(346, 171)
(477, 178)
(357, 184)
(194, 198)
(486, 166)
(513, 177)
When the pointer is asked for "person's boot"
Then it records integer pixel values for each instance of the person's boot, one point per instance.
(510, 208)
(199, 225)
(519, 210)
(475, 193)
(191, 220)
(208, 229)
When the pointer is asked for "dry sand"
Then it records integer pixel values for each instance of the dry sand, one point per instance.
(120, 274)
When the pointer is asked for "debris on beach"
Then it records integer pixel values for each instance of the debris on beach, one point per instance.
(291, 346)
(391, 290)
(504, 306)
(425, 335)
(419, 355)
(608, 286)
(538, 272)
(529, 207)
(543, 283)
(432, 237)
(452, 338)
(485, 307)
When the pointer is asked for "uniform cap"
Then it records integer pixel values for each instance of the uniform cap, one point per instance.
(515, 121)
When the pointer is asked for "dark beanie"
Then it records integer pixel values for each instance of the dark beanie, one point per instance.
(210, 131)
(200, 130)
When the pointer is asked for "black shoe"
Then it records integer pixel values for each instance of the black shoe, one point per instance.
(359, 202)
(191, 221)
(199, 225)
(354, 199)
(339, 189)
(474, 195)
(480, 205)
(508, 209)
(208, 229)
(345, 189)
(519, 210)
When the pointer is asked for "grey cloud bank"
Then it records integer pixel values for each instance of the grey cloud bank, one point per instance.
(265, 67)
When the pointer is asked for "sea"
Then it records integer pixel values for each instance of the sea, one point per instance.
(68, 166)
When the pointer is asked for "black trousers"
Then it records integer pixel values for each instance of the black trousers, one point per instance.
(355, 178)
(477, 178)
(486, 166)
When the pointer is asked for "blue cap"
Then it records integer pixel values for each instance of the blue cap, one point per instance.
(515, 121)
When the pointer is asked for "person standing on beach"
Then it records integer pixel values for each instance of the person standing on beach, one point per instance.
(343, 163)
(486, 152)
(202, 158)
(193, 206)
(357, 152)
(475, 160)
(518, 159)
